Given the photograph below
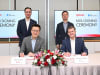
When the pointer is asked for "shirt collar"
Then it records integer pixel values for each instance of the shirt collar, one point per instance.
(32, 39)
(65, 23)
(72, 40)
(28, 20)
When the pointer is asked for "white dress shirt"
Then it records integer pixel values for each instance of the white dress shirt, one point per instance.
(33, 43)
(72, 46)
(27, 23)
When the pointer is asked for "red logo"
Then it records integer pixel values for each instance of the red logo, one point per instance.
(79, 14)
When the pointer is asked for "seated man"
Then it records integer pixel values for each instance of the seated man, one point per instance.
(73, 45)
(33, 43)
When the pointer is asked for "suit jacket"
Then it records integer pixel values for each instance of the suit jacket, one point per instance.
(79, 46)
(60, 32)
(22, 29)
(27, 45)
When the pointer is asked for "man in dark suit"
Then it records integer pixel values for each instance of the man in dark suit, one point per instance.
(33, 43)
(24, 25)
(73, 45)
(61, 29)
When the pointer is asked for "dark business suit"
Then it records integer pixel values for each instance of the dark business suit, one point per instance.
(79, 46)
(22, 29)
(60, 32)
(27, 45)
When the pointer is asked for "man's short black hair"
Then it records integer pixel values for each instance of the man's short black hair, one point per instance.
(27, 8)
(64, 12)
(36, 25)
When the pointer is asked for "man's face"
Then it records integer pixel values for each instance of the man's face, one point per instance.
(28, 13)
(35, 31)
(65, 16)
(72, 33)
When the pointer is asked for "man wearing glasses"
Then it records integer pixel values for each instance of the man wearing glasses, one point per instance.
(33, 43)
(24, 25)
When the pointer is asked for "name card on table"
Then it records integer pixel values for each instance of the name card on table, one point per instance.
(28, 58)
(81, 59)
(18, 60)
(70, 59)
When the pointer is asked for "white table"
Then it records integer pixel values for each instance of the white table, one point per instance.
(92, 68)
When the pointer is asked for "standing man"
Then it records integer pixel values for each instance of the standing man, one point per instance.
(61, 33)
(73, 45)
(24, 25)
(33, 43)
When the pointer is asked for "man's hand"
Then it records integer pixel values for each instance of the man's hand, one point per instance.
(58, 46)
(67, 54)
(84, 54)
(21, 54)
(30, 54)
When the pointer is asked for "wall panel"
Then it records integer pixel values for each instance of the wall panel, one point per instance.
(57, 5)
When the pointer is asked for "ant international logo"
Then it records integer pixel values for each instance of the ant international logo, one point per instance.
(10, 15)
(92, 15)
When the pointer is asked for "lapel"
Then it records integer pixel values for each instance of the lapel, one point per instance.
(68, 44)
(30, 43)
(63, 28)
(25, 25)
(67, 27)
(76, 44)
(29, 25)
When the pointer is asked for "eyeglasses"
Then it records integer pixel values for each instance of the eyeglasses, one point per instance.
(28, 12)
(35, 30)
